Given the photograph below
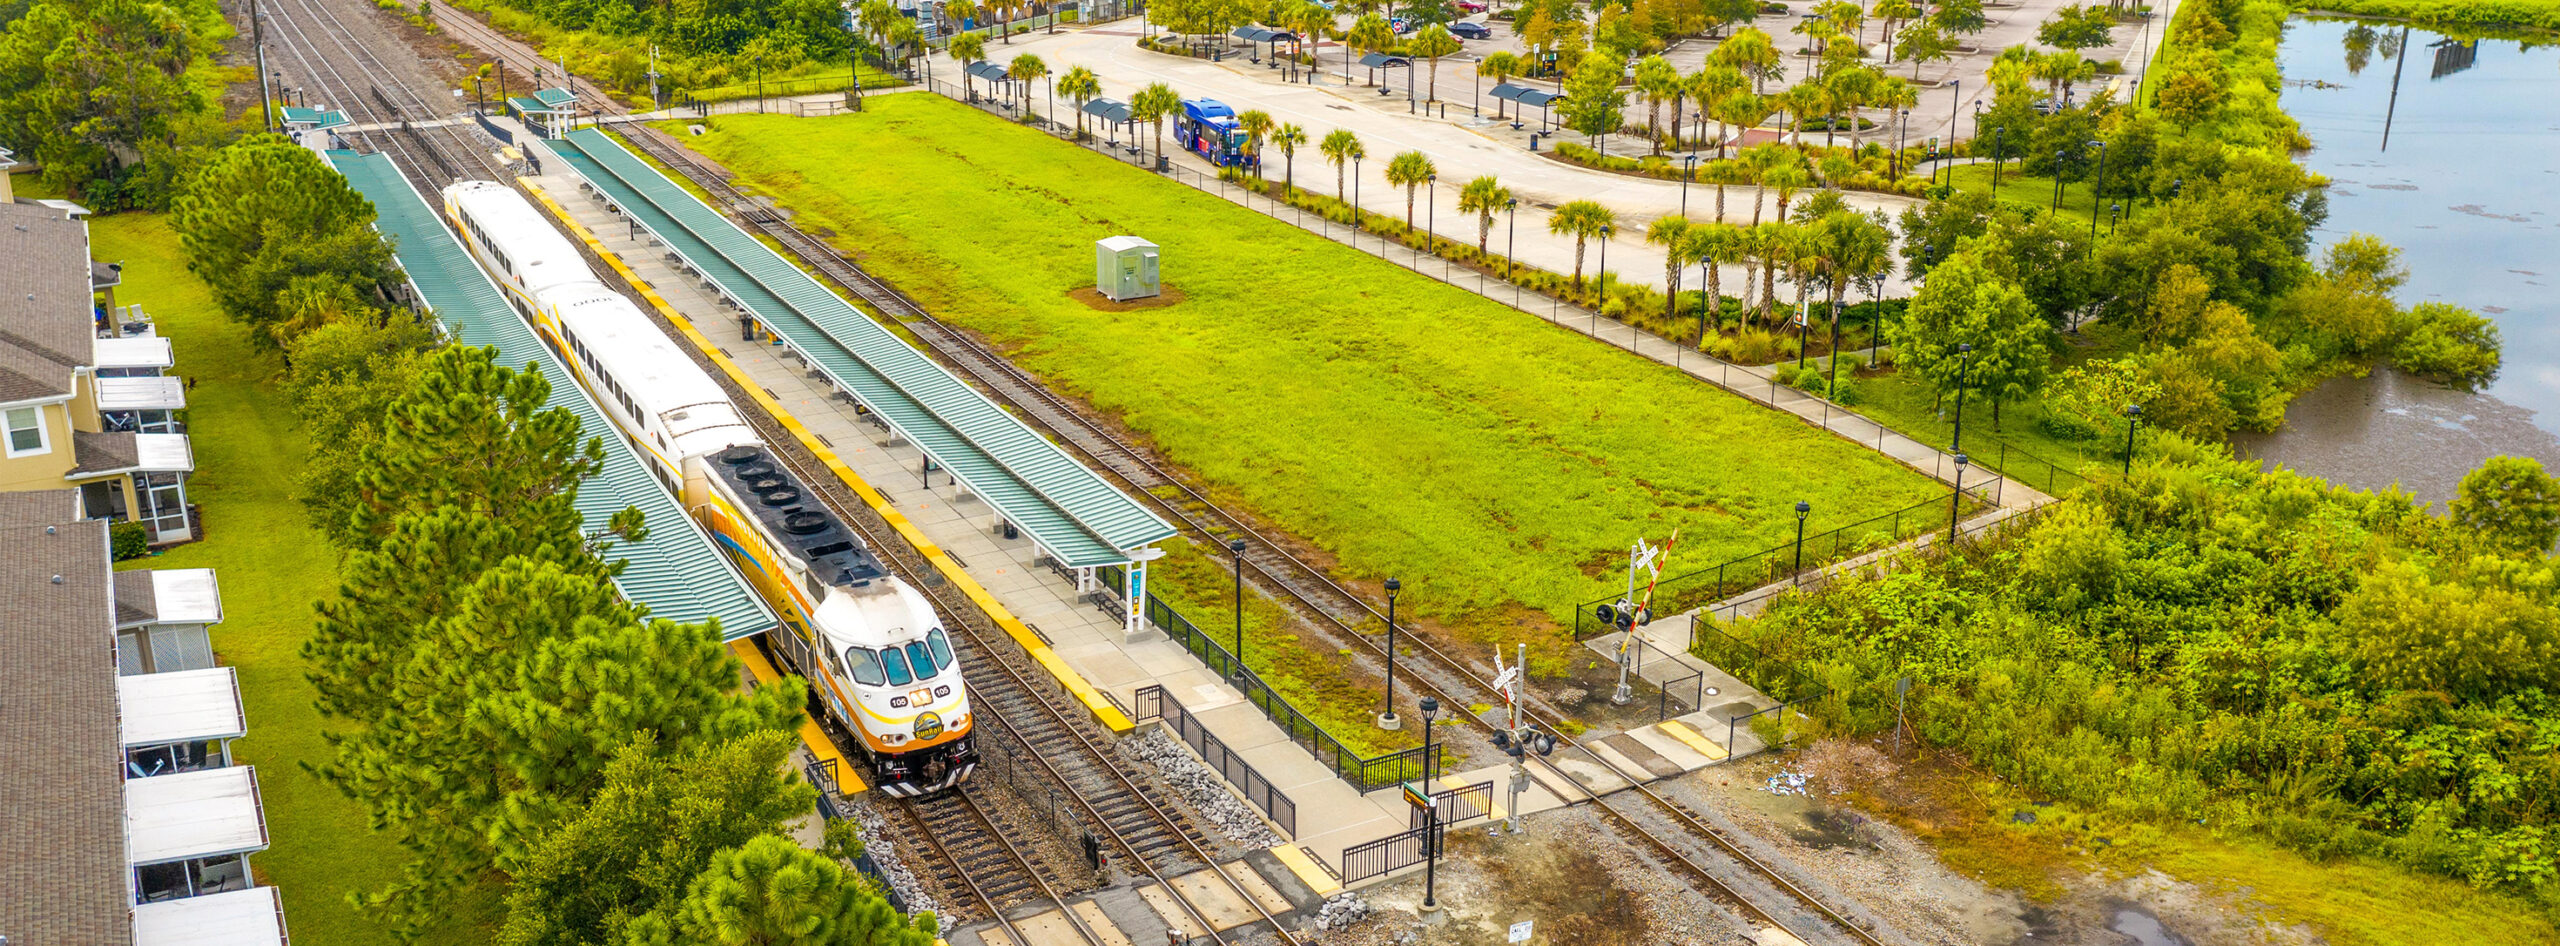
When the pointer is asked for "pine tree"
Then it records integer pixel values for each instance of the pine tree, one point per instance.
(771, 892)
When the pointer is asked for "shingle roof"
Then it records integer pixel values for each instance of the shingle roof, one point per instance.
(136, 602)
(62, 857)
(103, 452)
(45, 328)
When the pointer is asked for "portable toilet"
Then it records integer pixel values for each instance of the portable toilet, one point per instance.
(1124, 268)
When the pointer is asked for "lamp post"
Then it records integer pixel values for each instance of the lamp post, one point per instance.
(2096, 188)
(1511, 244)
(1964, 374)
(1999, 147)
(1235, 547)
(1431, 212)
(1602, 282)
(1359, 219)
(1431, 813)
(2132, 420)
(1955, 106)
(1803, 509)
(1955, 500)
(1688, 169)
(1388, 719)
(2057, 182)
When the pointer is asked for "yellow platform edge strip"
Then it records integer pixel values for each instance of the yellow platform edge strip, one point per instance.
(1695, 739)
(848, 779)
(1304, 865)
(1103, 710)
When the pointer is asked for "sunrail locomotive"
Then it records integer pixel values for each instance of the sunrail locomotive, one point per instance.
(877, 659)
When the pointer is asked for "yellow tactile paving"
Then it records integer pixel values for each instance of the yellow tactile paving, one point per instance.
(1309, 872)
(1691, 737)
(1103, 710)
(1492, 800)
(848, 778)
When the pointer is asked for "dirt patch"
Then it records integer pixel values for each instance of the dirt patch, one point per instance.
(1094, 299)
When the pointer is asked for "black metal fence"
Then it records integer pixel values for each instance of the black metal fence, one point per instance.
(1697, 589)
(1456, 805)
(1388, 854)
(1366, 773)
(1155, 703)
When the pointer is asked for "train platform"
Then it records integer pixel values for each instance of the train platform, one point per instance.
(1080, 634)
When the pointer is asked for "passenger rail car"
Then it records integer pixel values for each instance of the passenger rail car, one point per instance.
(879, 664)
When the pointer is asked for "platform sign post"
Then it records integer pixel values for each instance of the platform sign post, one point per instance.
(1137, 612)
(1417, 795)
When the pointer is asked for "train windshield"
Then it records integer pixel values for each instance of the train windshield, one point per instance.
(941, 647)
(896, 661)
(866, 666)
(922, 657)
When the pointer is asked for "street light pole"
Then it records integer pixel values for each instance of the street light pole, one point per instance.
(1431, 823)
(2096, 188)
(1803, 509)
(1688, 169)
(1388, 719)
(1511, 246)
(1431, 212)
(1955, 500)
(1235, 547)
(1999, 147)
(1964, 374)
(1359, 219)
(2132, 420)
(2057, 182)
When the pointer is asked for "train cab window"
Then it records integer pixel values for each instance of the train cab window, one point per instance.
(941, 647)
(896, 661)
(865, 666)
(922, 657)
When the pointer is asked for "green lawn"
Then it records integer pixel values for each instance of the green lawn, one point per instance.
(272, 567)
(1497, 465)
(2021, 190)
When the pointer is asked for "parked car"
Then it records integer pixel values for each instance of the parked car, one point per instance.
(1470, 31)
(1471, 6)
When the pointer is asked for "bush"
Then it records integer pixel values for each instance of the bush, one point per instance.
(129, 540)
(1753, 345)
(2447, 343)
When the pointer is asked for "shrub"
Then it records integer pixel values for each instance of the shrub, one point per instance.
(1753, 345)
(2447, 343)
(129, 540)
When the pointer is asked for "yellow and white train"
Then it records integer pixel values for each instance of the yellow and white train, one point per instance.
(874, 653)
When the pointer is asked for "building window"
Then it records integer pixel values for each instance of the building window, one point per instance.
(25, 430)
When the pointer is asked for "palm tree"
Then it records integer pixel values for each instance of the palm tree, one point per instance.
(1709, 88)
(1027, 69)
(1891, 12)
(1721, 173)
(908, 38)
(962, 11)
(1713, 246)
(969, 48)
(1256, 125)
(1656, 82)
(1672, 235)
(1581, 220)
(1802, 102)
(1483, 197)
(1897, 97)
(1081, 86)
(1341, 148)
(1311, 22)
(1410, 170)
(1787, 179)
(1853, 245)
(1764, 160)
(1370, 33)
(1501, 66)
(1851, 89)
(1288, 138)
(1777, 246)
(1154, 104)
(1752, 51)
(1745, 109)
(1432, 43)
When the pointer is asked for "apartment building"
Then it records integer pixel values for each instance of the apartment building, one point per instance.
(130, 823)
(85, 400)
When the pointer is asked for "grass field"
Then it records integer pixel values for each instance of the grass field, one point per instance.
(1498, 466)
(2018, 189)
(272, 566)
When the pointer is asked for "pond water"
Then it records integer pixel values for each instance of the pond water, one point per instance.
(2450, 150)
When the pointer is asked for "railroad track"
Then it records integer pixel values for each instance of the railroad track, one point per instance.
(316, 45)
(1758, 890)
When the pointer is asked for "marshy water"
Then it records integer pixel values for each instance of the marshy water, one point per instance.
(2450, 150)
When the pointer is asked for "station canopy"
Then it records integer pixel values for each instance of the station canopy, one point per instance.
(1256, 34)
(1534, 98)
(1383, 61)
(988, 71)
(1109, 110)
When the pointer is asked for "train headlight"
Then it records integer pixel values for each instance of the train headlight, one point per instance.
(928, 725)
